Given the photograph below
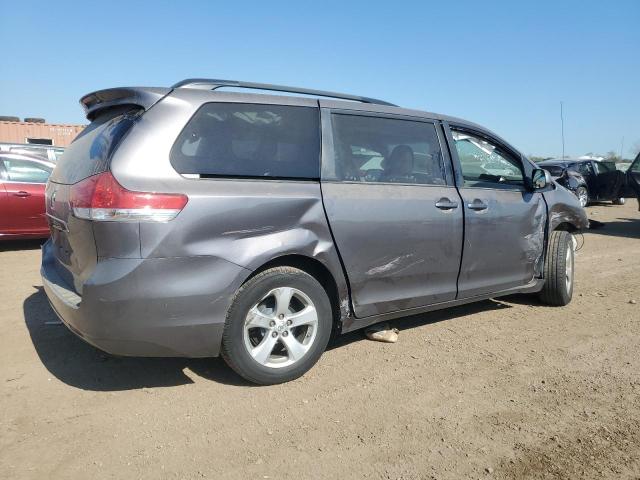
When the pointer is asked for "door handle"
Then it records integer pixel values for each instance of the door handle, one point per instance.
(478, 205)
(22, 193)
(446, 204)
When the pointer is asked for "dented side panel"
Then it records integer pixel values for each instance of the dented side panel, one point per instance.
(504, 244)
(248, 223)
(564, 207)
(399, 250)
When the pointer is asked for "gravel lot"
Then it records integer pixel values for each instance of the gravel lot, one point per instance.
(499, 389)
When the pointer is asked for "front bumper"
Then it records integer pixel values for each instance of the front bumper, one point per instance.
(153, 307)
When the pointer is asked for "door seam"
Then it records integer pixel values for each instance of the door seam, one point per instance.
(464, 212)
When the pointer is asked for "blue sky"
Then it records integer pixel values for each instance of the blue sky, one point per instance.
(506, 65)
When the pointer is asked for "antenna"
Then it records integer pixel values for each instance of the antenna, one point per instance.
(562, 128)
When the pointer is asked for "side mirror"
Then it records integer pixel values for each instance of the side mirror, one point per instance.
(540, 179)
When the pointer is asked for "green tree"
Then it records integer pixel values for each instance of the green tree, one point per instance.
(612, 157)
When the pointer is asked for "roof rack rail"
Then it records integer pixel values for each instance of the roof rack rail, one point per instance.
(212, 84)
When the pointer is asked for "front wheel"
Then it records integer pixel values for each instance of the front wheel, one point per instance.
(619, 201)
(277, 327)
(558, 270)
(583, 196)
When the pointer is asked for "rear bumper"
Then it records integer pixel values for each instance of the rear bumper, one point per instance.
(151, 307)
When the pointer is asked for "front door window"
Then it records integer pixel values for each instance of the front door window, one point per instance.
(484, 164)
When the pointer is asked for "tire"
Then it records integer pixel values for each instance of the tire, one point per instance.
(558, 270)
(619, 201)
(583, 196)
(261, 315)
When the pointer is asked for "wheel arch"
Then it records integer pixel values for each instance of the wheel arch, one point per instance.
(340, 304)
(566, 227)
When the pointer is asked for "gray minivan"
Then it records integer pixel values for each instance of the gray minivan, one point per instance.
(187, 221)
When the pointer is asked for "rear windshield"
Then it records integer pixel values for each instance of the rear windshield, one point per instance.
(249, 140)
(91, 150)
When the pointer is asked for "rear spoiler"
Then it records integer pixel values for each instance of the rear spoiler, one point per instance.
(144, 97)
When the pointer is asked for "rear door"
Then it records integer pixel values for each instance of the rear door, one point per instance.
(393, 209)
(631, 187)
(24, 186)
(609, 180)
(504, 221)
(589, 174)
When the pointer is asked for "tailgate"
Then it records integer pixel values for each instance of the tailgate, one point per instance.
(72, 239)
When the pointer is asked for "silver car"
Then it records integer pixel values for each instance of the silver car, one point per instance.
(189, 221)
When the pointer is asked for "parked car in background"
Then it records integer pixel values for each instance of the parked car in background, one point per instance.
(569, 179)
(45, 152)
(191, 222)
(632, 184)
(589, 180)
(22, 192)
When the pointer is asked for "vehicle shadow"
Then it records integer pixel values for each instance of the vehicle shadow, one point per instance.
(80, 365)
(623, 227)
(14, 245)
(414, 321)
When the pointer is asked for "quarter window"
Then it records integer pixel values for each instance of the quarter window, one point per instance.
(250, 140)
(485, 164)
(375, 149)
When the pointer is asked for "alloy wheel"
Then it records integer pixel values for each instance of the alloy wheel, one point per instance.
(280, 328)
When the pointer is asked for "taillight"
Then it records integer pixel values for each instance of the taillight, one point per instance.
(101, 197)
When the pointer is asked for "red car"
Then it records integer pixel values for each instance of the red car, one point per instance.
(22, 208)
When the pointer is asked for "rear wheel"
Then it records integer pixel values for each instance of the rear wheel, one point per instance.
(583, 196)
(619, 201)
(558, 270)
(277, 327)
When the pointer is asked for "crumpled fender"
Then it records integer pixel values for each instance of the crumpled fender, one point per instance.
(564, 207)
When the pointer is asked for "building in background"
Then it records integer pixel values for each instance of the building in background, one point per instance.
(38, 132)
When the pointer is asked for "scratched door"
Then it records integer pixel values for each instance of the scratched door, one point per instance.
(394, 213)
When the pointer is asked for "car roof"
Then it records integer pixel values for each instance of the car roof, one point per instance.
(10, 146)
(367, 103)
(345, 105)
(205, 90)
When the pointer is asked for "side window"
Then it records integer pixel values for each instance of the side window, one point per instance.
(583, 168)
(485, 164)
(605, 167)
(376, 149)
(25, 171)
(250, 140)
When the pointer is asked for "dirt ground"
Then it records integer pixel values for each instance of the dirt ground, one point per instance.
(500, 389)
